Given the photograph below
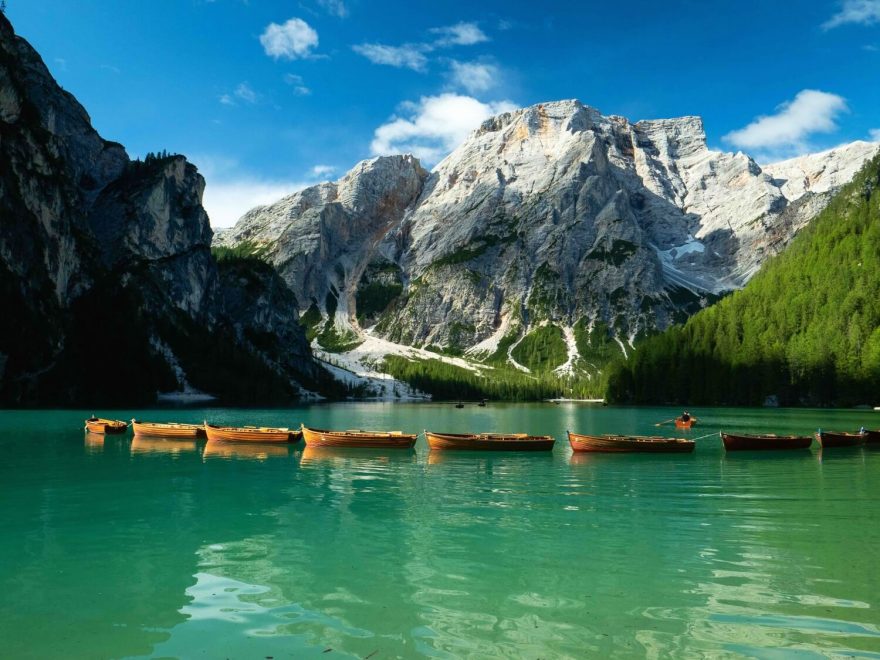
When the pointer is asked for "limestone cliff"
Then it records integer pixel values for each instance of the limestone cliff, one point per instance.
(109, 287)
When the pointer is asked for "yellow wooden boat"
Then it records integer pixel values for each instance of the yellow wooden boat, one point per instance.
(248, 433)
(357, 438)
(168, 430)
(105, 426)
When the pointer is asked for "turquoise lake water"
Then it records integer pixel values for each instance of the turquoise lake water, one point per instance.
(114, 547)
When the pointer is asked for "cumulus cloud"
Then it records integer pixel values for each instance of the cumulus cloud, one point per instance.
(407, 56)
(460, 34)
(298, 84)
(860, 12)
(292, 40)
(875, 134)
(434, 126)
(811, 111)
(335, 7)
(474, 76)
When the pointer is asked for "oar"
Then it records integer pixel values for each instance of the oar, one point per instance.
(665, 421)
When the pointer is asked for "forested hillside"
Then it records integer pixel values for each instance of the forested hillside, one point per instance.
(806, 328)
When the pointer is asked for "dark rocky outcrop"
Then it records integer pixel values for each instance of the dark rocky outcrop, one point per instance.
(109, 289)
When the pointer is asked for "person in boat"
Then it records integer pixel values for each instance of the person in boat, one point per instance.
(685, 416)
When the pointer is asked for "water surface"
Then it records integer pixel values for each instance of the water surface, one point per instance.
(113, 547)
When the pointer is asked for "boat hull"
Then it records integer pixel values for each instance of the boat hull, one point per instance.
(245, 434)
(489, 442)
(106, 426)
(629, 444)
(872, 437)
(831, 440)
(161, 430)
(764, 442)
(359, 439)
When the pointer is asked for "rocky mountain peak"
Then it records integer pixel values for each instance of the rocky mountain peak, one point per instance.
(552, 215)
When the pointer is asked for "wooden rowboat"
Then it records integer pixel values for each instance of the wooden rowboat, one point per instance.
(247, 434)
(682, 424)
(769, 441)
(168, 430)
(872, 437)
(105, 426)
(490, 441)
(828, 440)
(366, 439)
(629, 443)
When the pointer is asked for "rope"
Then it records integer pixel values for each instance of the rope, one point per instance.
(708, 435)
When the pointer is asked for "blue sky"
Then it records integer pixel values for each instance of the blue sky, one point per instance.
(266, 96)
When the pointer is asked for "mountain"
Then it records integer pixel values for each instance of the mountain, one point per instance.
(109, 287)
(804, 330)
(552, 233)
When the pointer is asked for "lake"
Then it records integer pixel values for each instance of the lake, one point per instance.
(113, 547)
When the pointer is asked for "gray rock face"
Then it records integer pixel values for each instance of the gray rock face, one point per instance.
(554, 213)
(322, 239)
(107, 265)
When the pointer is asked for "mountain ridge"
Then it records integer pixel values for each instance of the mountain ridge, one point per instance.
(556, 214)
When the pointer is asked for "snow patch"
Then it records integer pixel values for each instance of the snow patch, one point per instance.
(567, 369)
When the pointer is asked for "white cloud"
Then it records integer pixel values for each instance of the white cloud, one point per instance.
(226, 99)
(246, 93)
(292, 40)
(407, 56)
(811, 111)
(322, 171)
(460, 34)
(227, 201)
(231, 191)
(298, 84)
(861, 12)
(335, 7)
(875, 134)
(434, 126)
(474, 76)
(62, 63)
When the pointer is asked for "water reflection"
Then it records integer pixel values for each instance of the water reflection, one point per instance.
(146, 445)
(94, 442)
(343, 455)
(253, 451)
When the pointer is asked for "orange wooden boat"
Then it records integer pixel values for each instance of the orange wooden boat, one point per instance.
(827, 440)
(767, 441)
(247, 433)
(490, 441)
(685, 424)
(168, 430)
(356, 438)
(105, 426)
(629, 443)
